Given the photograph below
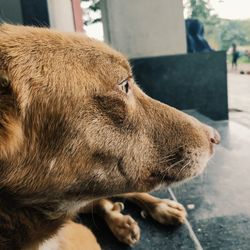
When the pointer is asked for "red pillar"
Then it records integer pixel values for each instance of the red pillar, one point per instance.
(78, 15)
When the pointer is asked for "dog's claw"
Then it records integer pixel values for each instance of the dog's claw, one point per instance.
(118, 206)
(144, 214)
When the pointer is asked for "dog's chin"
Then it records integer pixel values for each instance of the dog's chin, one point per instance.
(159, 180)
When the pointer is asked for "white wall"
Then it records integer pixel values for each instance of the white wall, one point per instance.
(141, 28)
(61, 15)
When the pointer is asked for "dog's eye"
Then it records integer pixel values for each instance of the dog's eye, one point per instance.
(4, 82)
(125, 86)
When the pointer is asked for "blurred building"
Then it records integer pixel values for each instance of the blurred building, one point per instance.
(65, 15)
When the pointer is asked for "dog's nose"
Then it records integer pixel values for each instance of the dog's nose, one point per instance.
(214, 136)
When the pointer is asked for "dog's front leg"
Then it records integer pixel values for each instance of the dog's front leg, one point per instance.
(164, 211)
(124, 227)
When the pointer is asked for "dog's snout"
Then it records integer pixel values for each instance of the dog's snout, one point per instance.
(214, 136)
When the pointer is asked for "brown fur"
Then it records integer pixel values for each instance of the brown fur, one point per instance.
(70, 134)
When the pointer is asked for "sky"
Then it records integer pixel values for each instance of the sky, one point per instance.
(231, 9)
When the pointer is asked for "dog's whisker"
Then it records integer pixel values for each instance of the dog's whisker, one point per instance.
(173, 152)
(166, 171)
(173, 165)
(182, 169)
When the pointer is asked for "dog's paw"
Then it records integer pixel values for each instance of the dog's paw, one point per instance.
(124, 227)
(166, 212)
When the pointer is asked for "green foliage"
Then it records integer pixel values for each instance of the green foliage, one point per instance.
(227, 32)
(232, 32)
(94, 6)
(198, 9)
(220, 33)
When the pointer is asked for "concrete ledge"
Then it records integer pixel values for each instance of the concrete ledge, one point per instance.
(191, 81)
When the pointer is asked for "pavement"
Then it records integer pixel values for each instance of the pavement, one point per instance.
(239, 98)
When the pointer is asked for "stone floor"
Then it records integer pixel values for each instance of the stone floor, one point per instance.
(239, 98)
(220, 214)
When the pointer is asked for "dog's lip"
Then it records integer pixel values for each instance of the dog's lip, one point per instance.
(162, 177)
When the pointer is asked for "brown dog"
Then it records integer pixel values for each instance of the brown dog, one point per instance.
(75, 128)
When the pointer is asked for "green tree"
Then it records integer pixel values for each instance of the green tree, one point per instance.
(201, 10)
(198, 9)
(232, 32)
(94, 5)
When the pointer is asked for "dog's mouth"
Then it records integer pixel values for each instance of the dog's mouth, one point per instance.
(160, 177)
(186, 169)
(181, 165)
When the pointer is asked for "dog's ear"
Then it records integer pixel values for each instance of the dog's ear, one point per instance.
(11, 135)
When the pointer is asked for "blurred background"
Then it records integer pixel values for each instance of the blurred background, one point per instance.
(143, 28)
(193, 55)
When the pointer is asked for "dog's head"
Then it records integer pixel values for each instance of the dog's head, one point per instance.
(74, 123)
